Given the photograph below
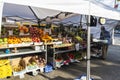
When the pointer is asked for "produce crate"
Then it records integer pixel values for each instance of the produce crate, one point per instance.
(31, 65)
(21, 44)
(3, 45)
(32, 68)
(17, 70)
(15, 61)
(20, 73)
(59, 63)
(40, 48)
(36, 48)
(14, 45)
(38, 43)
(41, 69)
(58, 42)
(27, 44)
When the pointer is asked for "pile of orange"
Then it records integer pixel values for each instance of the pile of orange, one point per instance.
(14, 40)
(46, 38)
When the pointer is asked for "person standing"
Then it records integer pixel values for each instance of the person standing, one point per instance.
(105, 35)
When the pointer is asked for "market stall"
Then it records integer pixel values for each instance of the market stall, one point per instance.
(24, 44)
(89, 8)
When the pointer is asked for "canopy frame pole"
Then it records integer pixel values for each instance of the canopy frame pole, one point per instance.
(35, 16)
(88, 44)
(21, 18)
(80, 21)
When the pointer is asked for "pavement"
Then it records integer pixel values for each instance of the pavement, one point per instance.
(108, 69)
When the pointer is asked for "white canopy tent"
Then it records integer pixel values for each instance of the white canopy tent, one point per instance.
(76, 6)
(30, 13)
(95, 30)
(23, 13)
(52, 7)
(87, 7)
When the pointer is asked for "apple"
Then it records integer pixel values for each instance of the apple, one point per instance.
(5, 39)
(1, 40)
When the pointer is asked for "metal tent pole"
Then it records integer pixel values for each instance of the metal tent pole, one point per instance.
(88, 51)
(88, 44)
(35, 15)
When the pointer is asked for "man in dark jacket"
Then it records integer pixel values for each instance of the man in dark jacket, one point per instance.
(105, 35)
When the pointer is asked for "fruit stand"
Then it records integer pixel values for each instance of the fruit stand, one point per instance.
(91, 9)
(24, 46)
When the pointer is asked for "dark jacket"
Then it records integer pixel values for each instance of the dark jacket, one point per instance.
(105, 35)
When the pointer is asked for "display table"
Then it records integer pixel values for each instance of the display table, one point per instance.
(99, 48)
